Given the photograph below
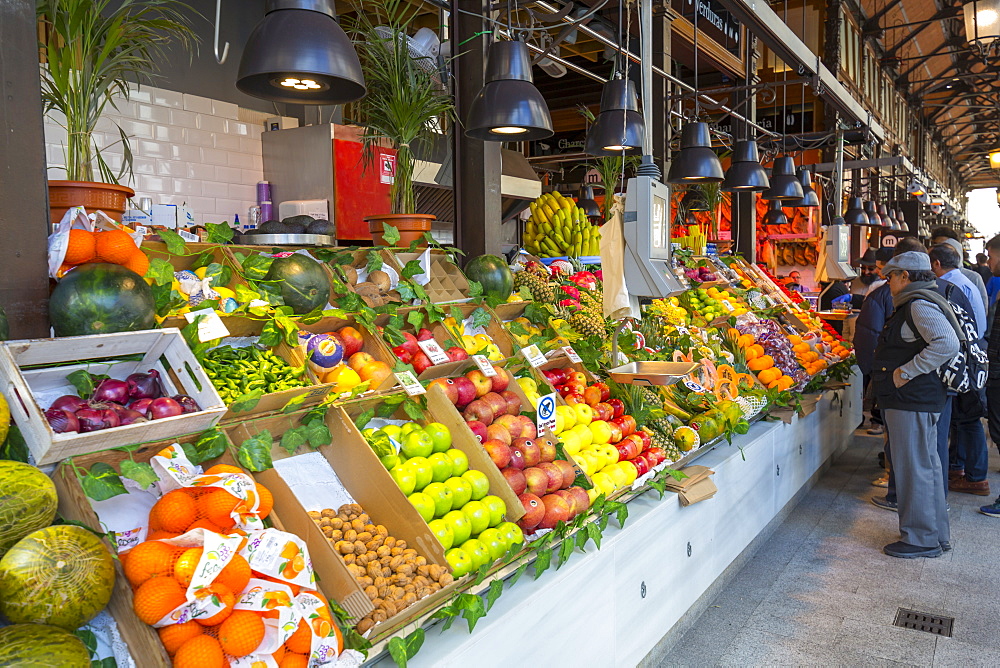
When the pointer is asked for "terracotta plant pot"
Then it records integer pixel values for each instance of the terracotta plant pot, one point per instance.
(411, 226)
(107, 197)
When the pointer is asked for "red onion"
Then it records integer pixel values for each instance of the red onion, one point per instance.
(187, 403)
(141, 405)
(163, 407)
(69, 403)
(144, 385)
(128, 416)
(62, 421)
(111, 390)
(95, 419)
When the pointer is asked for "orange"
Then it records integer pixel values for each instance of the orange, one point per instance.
(301, 640)
(175, 635)
(235, 575)
(151, 559)
(138, 263)
(266, 501)
(223, 595)
(757, 349)
(278, 654)
(186, 565)
(205, 524)
(241, 633)
(173, 512)
(160, 534)
(200, 652)
(223, 468)
(80, 248)
(114, 246)
(293, 660)
(375, 372)
(156, 598)
(759, 363)
(217, 505)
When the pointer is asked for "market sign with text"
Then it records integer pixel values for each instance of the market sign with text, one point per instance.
(713, 21)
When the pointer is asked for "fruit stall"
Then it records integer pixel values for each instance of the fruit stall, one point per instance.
(292, 456)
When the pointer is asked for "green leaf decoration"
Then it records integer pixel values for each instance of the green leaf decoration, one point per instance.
(14, 446)
(518, 573)
(220, 274)
(219, 233)
(594, 533)
(412, 269)
(210, 444)
(140, 472)
(256, 266)
(456, 313)
(318, 434)
(536, 314)
(415, 318)
(413, 410)
(88, 638)
(565, 549)
(160, 271)
(295, 403)
(173, 241)
(271, 335)
(390, 234)
(362, 420)
(493, 593)
(406, 292)
(255, 453)
(581, 539)
(246, 402)
(542, 561)
(435, 313)
(397, 650)
(481, 317)
(375, 261)
(83, 382)
(101, 482)
(292, 439)
(245, 295)
(472, 609)
(420, 292)
(475, 290)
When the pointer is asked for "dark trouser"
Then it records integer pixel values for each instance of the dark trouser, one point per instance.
(968, 451)
(873, 408)
(943, 429)
(923, 517)
(993, 410)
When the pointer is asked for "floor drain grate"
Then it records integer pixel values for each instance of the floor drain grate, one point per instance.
(939, 625)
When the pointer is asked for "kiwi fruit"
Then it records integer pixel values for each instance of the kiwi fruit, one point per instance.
(321, 226)
(381, 280)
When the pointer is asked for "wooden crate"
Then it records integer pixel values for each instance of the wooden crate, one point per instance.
(446, 283)
(33, 374)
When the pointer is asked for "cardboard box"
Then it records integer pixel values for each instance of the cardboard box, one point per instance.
(446, 282)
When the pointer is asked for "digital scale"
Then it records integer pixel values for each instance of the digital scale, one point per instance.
(649, 271)
(838, 253)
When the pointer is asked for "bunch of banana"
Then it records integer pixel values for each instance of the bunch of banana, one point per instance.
(558, 227)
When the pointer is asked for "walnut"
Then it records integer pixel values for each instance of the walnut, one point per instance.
(379, 616)
(378, 602)
(381, 582)
(401, 544)
(364, 537)
(420, 561)
(344, 509)
(350, 558)
(350, 535)
(383, 551)
(336, 534)
(405, 569)
(314, 514)
(327, 531)
(356, 509)
(357, 524)
(396, 551)
(385, 560)
(381, 530)
(344, 547)
(372, 592)
(390, 608)
(423, 570)
(396, 562)
(437, 571)
(409, 588)
(365, 581)
(390, 542)
(400, 580)
(374, 569)
(423, 591)
(361, 559)
(410, 599)
(435, 586)
(355, 570)
(328, 512)
(365, 624)
(383, 591)
(337, 523)
(359, 547)
(421, 581)
(446, 579)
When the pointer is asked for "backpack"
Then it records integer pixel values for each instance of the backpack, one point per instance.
(966, 371)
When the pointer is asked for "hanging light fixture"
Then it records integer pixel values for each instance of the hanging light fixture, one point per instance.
(855, 214)
(810, 199)
(982, 22)
(693, 202)
(775, 215)
(901, 220)
(299, 54)
(587, 202)
(784, 184)
(745, 173)
(619, 128)
(872, 213)
(994, 156)
(509, 107)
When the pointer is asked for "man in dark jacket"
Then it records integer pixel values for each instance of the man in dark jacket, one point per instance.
(875, 310)
(993, 381)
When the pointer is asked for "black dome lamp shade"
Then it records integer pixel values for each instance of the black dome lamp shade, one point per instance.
(746, 173)
(855, 214)
(775, 215)
(784, 184)
(587, 202)
(693, 202)
(696, 162)
(619, 128)
(874, 220)
(299, 54)
(810, 200)
(509, 107)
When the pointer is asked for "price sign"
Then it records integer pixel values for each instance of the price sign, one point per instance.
(484, 365)
(187, 236)
(410, 383)
(545, 418)
(210, 327)
(433, 351)
(693, 386)
(726, 305)
(571, 354)
(533, 355)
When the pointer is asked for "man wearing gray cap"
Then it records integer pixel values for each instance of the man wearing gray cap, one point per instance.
(916, 342)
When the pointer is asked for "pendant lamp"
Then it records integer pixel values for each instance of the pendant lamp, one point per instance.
(696, 162)
(299, 54)
(746, 173)
(775, 215)
(810, 200)
(509, 107)
(587, 202)
(855, 214)
(874, 220)
(619, 128)
(901, 219)
(694, 202)
(784, 184)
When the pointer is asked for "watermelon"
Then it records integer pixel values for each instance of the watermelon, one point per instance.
(4, 325)
(493, 274)
(101, 298)
(302, 282)
(61, 575)
(27, 502)
(41, 646)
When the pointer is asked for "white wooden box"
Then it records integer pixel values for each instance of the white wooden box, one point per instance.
(33, 374)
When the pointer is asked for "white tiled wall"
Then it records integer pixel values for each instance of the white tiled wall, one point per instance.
(186, 149)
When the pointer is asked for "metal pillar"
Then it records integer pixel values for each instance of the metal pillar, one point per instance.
(744, 204)
(24, 228)
(477, 163)
(659, 125)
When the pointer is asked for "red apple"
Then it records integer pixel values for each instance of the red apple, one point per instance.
(641, 465)
(478, 410)
(456, 354)
(616, 432)
(515, 478)
(570, 500)
(449, 387)
(582, 499)
(532, 453)
(534, 511)
(605, 390)
(603, 411)
(647, 440)
(480, 381)
(547, 448)
(528, 428)
(556, 510)
(498, 451)
(576, 377)
(466, 391)
(659, 454)
(516, 459)
(537, 480)
(565, 390)
(501, 380)
(496, 402)
(478, 430)
(568, 472)
(421, 362)
(554, 474)
(410, 343)
(511, 423)
(636, 443)
(513, 402)
(573, 398)
(424, 334)
(353, 341)
(592, 395)
(618, 406)
(627, 450)
(403, 353)
(626, 423)
(497, 432)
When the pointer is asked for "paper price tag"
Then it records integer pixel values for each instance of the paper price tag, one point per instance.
(726, 305)
(434, 351)
(571, 354)
(533, 355)
(410, 383)
(210, 327)
(545, 418)
(187, 236)
(484, 365)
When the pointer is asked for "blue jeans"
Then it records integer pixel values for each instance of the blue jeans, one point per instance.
(943, 429)
(969, 451)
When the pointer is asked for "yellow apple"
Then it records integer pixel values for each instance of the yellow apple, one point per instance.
(593, 493)
(570, 441)
(583, 431)
(600, 431)
(604, 482)
(584, 413)
(568, 414)
(617, 474)
(528, 384)
(630, 471)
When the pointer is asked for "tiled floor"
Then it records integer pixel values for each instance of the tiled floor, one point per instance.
(820, 591)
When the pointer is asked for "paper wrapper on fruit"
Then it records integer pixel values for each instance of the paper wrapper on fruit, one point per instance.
(276, 603)
(617, 304)
(76, 218)
(280, 555)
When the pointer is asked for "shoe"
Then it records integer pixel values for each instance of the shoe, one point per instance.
(981, 488)
(946, 546)
(955, 473)
(993, 510)
(876, 430)
(881, 482)
(907, 551)
(884, 502)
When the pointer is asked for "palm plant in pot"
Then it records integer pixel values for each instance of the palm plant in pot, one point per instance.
(92, 50)
(406, 107)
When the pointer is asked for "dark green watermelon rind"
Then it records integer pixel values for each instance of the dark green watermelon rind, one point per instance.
(303, 286)
(492, 273)
(101, 299)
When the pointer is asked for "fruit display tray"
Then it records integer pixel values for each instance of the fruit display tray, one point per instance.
(287, 240)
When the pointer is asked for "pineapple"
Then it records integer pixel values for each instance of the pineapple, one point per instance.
(538, 286)
(588, 324)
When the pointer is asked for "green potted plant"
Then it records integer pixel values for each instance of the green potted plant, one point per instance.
(92, 50)
(406, 107)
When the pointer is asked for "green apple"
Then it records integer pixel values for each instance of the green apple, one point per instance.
(404, 477)
(460, 562)
(368, 433)
(459, 460)
(461, 489)
(441, 466)
(422, 471)
(459, 524)
(417, 444)
(497, 508)
(424, 505)
(494, 543)
(442, 497)
(442, 531)
(393, 431)
(390, 461)
(477, 552)
(479, 516)
(511, 533)
(480, 483)
(440, 436)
